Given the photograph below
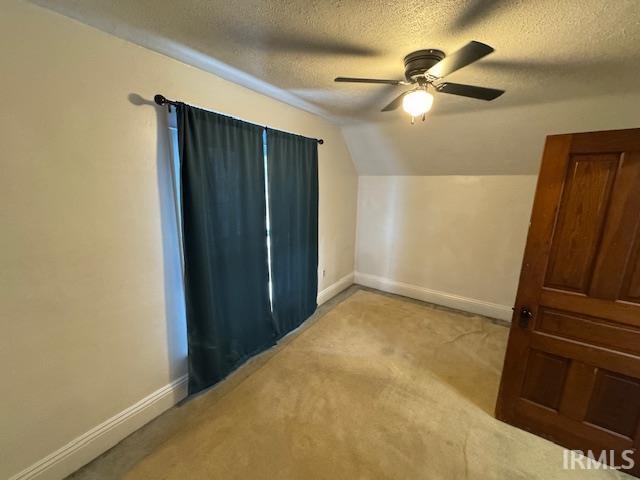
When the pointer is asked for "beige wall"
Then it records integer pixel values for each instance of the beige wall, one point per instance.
(486, 140)
(460, 236)
(447, 219)
(92, 316)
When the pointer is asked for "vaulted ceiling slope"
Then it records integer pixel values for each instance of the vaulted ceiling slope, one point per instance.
(546, 51)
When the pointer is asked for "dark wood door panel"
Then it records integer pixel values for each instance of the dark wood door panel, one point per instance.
(581, 217)
(582, 386)
(601, 413)
(615, 252)
(588, 330)
(572, 434)
(622, 312)
(557, 425)
(572, 373)
(600, 357)
(549, 371)
(615, 403)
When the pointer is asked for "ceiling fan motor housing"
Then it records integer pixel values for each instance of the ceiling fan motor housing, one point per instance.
(418, 62)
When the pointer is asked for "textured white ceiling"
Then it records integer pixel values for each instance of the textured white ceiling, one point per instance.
(545, 49)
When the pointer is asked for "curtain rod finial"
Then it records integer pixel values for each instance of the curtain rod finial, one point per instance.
(160, 99)
(320, 141)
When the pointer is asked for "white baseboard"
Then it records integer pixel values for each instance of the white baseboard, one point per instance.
(335, 288)
(458, 302)
(99, 439)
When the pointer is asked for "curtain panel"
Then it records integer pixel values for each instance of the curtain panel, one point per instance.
(292, 166)
(225, 245)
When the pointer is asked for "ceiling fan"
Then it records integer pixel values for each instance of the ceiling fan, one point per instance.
(425, 69)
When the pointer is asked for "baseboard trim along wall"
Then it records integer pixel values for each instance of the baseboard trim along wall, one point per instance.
(99, 439)
(335, 288)
(494, 310)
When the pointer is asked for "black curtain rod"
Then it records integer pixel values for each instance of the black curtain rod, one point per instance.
(162, 101)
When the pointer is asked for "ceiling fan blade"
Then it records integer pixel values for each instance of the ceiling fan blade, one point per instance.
(370, 80)
(395, 103)
(471, 52)
(471, 91)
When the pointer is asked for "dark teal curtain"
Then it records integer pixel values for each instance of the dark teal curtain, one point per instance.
(225, 248)
(292, 165)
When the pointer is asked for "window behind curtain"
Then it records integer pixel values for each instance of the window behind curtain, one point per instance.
(175, 175)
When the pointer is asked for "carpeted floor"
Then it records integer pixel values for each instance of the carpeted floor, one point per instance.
(374, 387)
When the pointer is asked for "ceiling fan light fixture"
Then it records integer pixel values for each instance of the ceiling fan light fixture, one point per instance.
(424, 67)
(417, 103)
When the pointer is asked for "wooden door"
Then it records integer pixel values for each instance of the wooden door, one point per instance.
(572, 367)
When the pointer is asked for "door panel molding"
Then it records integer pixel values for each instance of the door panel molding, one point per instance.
(572, 367)
(584, 328)
(619, 311)
(581, 220)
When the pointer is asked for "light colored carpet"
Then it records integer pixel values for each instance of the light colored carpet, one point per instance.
(379, 387)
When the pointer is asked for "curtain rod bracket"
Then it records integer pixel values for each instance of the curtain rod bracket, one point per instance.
(162, 101)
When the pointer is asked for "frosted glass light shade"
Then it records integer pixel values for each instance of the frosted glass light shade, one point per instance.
(417, 102)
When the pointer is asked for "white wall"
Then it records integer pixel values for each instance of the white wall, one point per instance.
(453, 240)
(488, 140)
(92, 309)
(447, 219)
